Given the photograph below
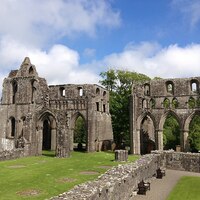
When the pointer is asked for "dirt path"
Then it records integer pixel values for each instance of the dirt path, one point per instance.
(160, 188)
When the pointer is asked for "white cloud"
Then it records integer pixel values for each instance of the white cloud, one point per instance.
(35, 22)
(59, 65)
(153, 60)
(190, 9)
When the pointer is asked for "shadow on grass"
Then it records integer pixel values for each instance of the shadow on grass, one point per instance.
(48, 153)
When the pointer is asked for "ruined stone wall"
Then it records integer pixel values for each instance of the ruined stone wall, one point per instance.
(183, 161)
(92, 103)
(121, 182)
(117, 183)
(12, 154)
(39, 117)
(155, 100)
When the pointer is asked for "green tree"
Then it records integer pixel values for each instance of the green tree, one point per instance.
(80, 131)
(194, 134)
(171, 132)
(119, 83)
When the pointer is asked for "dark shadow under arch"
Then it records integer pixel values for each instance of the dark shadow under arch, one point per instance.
(147, 135)
(48, 124)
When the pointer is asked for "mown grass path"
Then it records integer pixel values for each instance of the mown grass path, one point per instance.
(46, 176)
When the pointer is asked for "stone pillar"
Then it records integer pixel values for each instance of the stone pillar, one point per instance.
(121, 155)
(186, 144)
(53, 139)
(39, 141)
(160, 139)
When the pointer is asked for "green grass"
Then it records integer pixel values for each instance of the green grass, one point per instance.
(187, 188)
(43, 173)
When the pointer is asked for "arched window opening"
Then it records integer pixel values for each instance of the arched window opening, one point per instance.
(191, 103)
(194, 86)
(194, 134)
(147, 136)
(15, 87)
(152, 103)
(104, 108)
(175, 103)
(31, 71)
(97, 106)
(171, 133)
(80, 134)
(144, 103)
(170, 87)
(146, 89)
(80, 91)
(62, 92)
(98, 91)
(104, 94)
(166, 103)
(33, 91)
(12, 127)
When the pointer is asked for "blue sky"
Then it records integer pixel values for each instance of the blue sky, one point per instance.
(72, 41)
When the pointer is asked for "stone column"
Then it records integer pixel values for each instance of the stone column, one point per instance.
(121, 155)
(135, 148)
(160, 139)
(186, 144)
(39, 138)
(53, 139)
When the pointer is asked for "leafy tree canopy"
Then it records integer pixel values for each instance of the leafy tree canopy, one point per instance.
(119, 83)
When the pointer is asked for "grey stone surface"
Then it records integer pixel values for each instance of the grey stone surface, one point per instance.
(36, 116)
(121, 182)
(148, 111)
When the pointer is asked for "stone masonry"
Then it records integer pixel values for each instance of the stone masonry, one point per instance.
(151, 103)
(121, 182)
(35, 116)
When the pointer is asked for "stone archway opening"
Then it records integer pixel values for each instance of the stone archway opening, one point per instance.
(171, 133)
(46, 142)
(194, 133)
(80, 134)
(147, 136)
(47, 133)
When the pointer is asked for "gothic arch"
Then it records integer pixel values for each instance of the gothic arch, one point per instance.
(164, 116)
(146, 133)
(73, 125)
(47, 128)
(142, 116)
(178, 97)
(189, 119)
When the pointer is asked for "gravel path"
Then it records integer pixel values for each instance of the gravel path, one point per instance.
(160, 188)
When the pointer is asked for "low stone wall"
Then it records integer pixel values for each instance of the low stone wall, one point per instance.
(11, 154)
(182, 161)
(120, 182)
(117, 183)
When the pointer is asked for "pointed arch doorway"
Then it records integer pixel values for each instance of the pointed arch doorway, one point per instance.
(79, 133)
(48, 132)
(147, 136)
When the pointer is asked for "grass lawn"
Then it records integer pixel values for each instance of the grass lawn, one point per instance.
(187, 188)
(46, 176)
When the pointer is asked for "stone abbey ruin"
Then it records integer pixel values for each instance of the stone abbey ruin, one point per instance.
(36, 117)
(152, 102)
